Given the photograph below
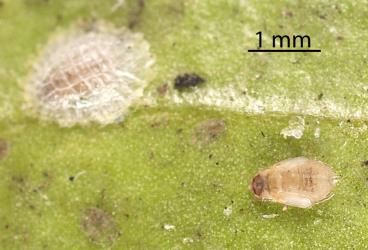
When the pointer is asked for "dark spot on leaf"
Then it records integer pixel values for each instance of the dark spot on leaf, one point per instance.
(71, 178)
(320, 96)
(59, 17)
(287, 13)
(208, 131)
(99, 226)
(263, 134)
(199, 234)
(322, 16)
(365, 163)
(4, 148)
(19, 183)
(187, 80)
(162, 89)
(136, 14)
(159, 120)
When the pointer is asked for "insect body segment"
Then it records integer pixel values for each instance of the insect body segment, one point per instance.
(297, 182)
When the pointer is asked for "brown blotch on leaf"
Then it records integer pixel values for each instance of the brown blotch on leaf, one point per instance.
(4, 148)
(19, 183)
(208, 131)
(99, 226)
(365, 163)
(159, 120)
(287, 13)
(162, 89)
(187, 80)
(136, 14)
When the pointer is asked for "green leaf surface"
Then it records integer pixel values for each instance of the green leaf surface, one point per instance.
(162, 179)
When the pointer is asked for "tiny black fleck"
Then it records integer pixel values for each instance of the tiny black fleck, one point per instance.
(320, 96)
(71, 178)
(187, 80)
(365, 163)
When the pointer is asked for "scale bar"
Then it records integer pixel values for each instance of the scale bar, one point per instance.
(284, 50)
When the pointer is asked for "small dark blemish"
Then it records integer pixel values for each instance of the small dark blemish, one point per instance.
(320, 96)
(217, 163)
(322, 16)
(337, 8)
(179, 130)
(4, 148)
(59, 18)
(99, 226)
(365, 163)
(348, 121)
(263, 134)
(208, 131)
(159, 121)
(71, 178)
(187, 80)
(151, 155)
(18, 179)
(162, 89)
(199, 234)
(287, 13)
(136, 15)
(210, 156)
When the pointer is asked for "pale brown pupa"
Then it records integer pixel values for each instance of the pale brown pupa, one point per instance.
(298, 182)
